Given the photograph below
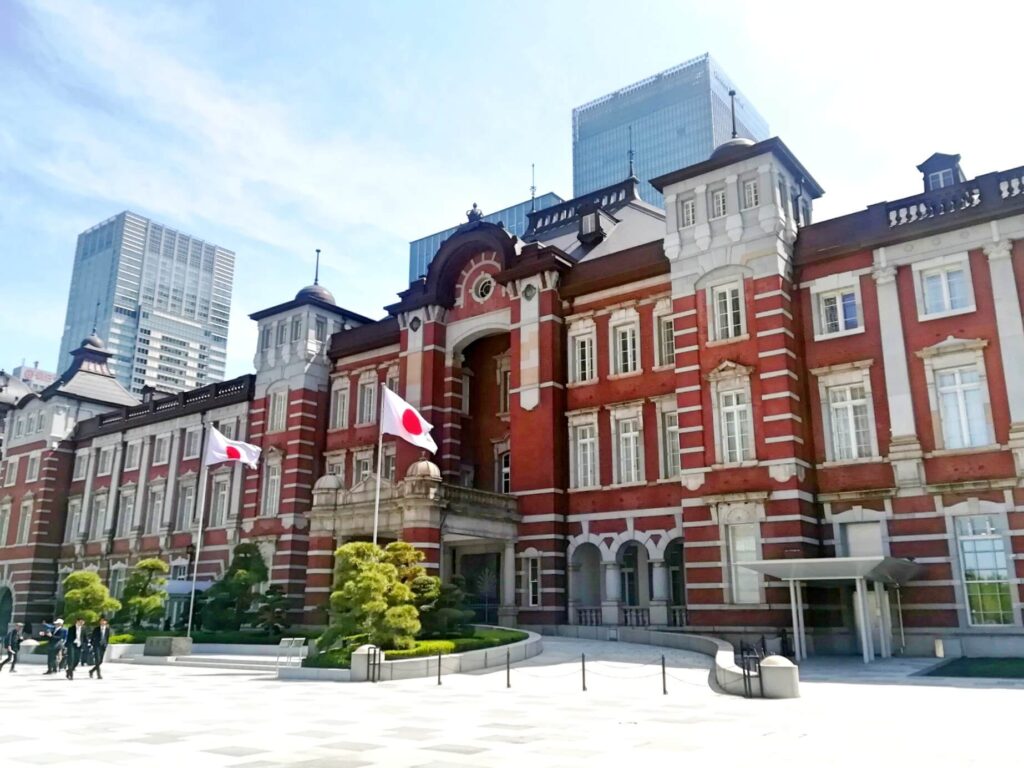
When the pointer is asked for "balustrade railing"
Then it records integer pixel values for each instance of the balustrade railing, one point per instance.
(636, 617)
(676, 616)
(588, 617)
(939, 202)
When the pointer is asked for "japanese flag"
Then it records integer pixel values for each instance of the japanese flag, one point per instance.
(219, 448)
(401, 419)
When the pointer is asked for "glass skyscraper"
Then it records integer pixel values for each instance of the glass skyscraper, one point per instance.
(514, 218)
(159, 299)
(677, 118)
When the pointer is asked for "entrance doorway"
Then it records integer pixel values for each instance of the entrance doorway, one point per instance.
(482, 573)
(6, 609)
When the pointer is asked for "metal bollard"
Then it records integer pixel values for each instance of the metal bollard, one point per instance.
(438, 667)
(583, 667)
(664, 683)
(508, 668)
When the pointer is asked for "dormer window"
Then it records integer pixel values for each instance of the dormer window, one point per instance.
(591, 230)
(940, 179)
(588, 224)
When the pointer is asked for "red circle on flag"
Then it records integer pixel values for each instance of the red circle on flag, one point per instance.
(232, 453)
(411, 422)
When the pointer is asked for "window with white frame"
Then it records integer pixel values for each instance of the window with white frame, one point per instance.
(19, 426)
(504, 472)
(116, 581)
(5, 522)
(688, 213)
(665, 340)
(581, 351)
(624, 338)
(583, 439)
(962, 407)
(277, 411)
(388, 470)
(727, 314)
(987, 578)
(391, 380)
(628, 448)
(81, 461)
(838, 311)
(282, 333)
(736, 422)
(11, 472)
(106, 461)
(131, 456)
(32, 467)
(362, 466)
(219, 501)
(533, 581)
(74, 520)
(191, 444)
(320, 328)
(669, 440)
(849, 414)
(336, 466)
(97, 517)
(30, 424)
(742, 548)
(186, 504)
(161, 449)
(367, 403)
(339, 404)
(24, 522)
(296, 328)
(126, 511)
(504, 374)
(227, 428)
(271, 500)
(266, 342)
(751, 194)
(940, 179)
(718, 207)
(179, 571)
(154, 509)
(943, 286)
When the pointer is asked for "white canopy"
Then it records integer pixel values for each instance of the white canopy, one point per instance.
(888, 570)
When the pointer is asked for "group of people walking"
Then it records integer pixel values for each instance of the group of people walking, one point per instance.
(68, 647)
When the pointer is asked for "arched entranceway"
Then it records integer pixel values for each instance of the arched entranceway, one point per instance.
(585, 585)
(635, 584)
(6, 608)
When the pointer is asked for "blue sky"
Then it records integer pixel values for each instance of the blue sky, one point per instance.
(275, 128)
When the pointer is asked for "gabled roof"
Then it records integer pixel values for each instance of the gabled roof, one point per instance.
(88, 378)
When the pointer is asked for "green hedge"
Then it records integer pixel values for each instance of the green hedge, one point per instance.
(237, 637)
(482, 638)
(338, 658)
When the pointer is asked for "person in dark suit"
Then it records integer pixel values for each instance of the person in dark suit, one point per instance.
(77, 643)
(12, 644)
(58, 636)
(100, 641)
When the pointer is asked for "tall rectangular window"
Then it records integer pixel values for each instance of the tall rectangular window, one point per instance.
(669, 444)
(154, 510)
(751, 194)
(81, 460)
(585, 447)
(628, 438)
(296, 328)
(105, 462)
(320, 326)
(505, 472)
(74, 520)
(219, 502)
(689, 213)
(367, 405)
(161, 448)
(265, 343)
(946, 289)
(131, 456)
(186, 502)
(126, 512)
(271, 490)
(191, 444)
(339, 407)
(388, 470)
(848, 417)
(962, 407)
(32, 468)
(838, 311)
(11, 472)
(746, 585)
(625, 348)
(505, 391)
(582, 358)
(24, 522)
(533, 581)
(277, 411)
(666, 341)
(986, 571)
(115, 584)
(735, 416)
(718, 209)
(727, 305)
(362, 467)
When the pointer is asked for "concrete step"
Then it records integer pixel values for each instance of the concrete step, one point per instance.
(209, 661)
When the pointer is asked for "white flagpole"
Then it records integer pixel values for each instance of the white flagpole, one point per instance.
(380, 460)
(199, 525)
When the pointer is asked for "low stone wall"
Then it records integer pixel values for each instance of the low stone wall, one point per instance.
(782, 682)
(311, 673)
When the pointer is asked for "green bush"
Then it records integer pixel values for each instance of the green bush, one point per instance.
(422, 648)
(341, 658)
(232, 637)
(337, 658)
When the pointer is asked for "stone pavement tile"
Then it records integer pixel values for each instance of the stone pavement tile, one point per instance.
(352, 746)
(509, 726)
(315, 734)
(155, 739)
(235, 751)
(327, 762)
(459, 749)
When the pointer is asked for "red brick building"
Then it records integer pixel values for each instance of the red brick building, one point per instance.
(719, 416)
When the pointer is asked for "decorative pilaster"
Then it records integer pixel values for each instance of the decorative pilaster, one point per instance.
(1010, 327)
(659, 593)
(612, 589)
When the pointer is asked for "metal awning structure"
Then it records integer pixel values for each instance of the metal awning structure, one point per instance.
(881, 571)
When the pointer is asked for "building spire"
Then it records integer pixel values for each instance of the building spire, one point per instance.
(630, 153)
(533, 187)
(732, 106)
(316, 275)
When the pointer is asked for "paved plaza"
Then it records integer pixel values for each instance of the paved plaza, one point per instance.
(163, 716)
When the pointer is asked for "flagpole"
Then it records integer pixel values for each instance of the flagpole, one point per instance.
(203, 474)
(380, 460)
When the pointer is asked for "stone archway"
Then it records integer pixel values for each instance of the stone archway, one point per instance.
(585, 584)
(6, 608)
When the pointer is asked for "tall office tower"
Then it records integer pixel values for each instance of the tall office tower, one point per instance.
(676, 118)
(158, 298)
(515, 218)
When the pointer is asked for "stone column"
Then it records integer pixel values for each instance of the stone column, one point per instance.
(115, 491)
(170, 489)
(612, 594)
(507, 610)
(659, 593)
(142, 487)
(90, 474)
(572, 573)
(1011, 339)
(904, 448)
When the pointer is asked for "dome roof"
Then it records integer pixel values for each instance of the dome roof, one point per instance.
(328, 483)
(424, 468)
(92, 340)
(727, 149)
(316, 291)
(12, 389)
